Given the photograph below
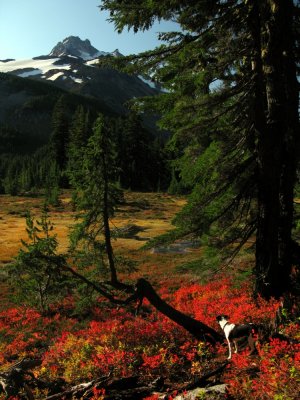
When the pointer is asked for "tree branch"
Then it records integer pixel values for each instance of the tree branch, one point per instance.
(198, 329)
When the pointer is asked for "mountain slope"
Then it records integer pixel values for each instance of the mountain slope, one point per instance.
(29, 89)
(26, 108)
(71, 65)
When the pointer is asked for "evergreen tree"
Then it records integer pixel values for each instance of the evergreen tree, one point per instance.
(134, 160)
(97, 195)
(232, 100)
(60, 133)
(79, 130)
(79, 133)
(36, 274)
(140, 155)
(52, 184)
(11, 178)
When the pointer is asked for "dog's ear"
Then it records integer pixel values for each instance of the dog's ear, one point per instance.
(222, 317)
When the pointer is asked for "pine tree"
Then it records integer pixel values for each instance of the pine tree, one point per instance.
(232, 88)
(134, 154)
(97, 195)
(36, 274)
(52, 183)
(79, 130)
(11, 180)
(140, 155)
(59, 137)
(79, 133)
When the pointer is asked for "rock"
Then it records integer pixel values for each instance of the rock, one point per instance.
(74, 46)
(216, 392)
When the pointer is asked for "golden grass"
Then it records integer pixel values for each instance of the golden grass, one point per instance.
(151, 212)
(13, 224)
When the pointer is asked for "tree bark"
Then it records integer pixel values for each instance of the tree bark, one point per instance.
(276, 149)
(107, 233)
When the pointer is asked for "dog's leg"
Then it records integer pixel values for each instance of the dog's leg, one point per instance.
(229, 348)
(251, 344)
(138, 306)
(235, 346)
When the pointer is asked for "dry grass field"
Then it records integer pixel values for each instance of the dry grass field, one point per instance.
(13, 223)
(141, 217)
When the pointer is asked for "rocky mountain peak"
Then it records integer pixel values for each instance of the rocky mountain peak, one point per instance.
(74, 46)
(116, 53)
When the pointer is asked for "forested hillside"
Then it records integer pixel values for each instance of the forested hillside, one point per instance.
(40, 123)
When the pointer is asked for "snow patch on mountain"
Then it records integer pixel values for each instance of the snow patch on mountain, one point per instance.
(92, 62)
(68, 61)
(149, 82)
(40, 66)
(44, 68)
(55, 76)
(77, 80)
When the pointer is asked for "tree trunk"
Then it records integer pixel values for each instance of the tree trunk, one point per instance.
(143, 289)
(291, 142)
(107, 233)
(199, 330)
(276, 151)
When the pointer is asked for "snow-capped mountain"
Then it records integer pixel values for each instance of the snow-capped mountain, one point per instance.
(29, 89)
(72, 65)
(76, 47)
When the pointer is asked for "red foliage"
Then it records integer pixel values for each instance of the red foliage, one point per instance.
(121, 344)
(275, 373)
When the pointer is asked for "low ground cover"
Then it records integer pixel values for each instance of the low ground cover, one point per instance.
(112, 341)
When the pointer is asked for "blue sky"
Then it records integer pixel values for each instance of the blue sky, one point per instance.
(31, 28)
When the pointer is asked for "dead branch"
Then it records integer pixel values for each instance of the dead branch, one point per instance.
(124, 388)
(17, 378)
(143, 289)
(198, 329)
(202, 380)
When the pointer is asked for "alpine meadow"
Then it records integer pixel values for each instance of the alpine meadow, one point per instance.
(149, 209)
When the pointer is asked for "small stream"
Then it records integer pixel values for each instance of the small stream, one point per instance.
(176, 248)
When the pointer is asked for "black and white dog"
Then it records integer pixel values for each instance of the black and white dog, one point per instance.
(234, 332)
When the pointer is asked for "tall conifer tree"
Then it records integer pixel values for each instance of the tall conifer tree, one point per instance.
(60, 133)
(232, 100)
(97, 195)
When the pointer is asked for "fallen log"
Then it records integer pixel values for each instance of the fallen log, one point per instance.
(74, 391)
(197, 328)
(202, 380)
(17, 378)
(114, 389)
(143, 289)
(132, 388)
